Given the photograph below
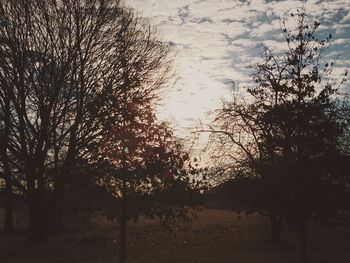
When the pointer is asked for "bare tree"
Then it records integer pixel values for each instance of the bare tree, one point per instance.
(63, 66)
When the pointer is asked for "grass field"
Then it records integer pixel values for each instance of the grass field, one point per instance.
(218, 236)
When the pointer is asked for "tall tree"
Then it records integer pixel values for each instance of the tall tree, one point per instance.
(62, 66)
(288, 132)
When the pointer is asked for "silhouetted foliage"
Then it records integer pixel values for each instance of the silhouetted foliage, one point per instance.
(146, 168)
(62, 78)
(287, 132)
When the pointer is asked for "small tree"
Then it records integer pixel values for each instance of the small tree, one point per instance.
(146, 170)
(142, 158)
(241, 144)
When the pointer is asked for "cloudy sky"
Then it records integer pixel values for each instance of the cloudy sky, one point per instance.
(217, 40)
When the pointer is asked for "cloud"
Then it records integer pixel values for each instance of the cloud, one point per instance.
(346, 18)
(217, 41)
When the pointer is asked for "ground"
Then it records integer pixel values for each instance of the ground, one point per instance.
(217, 236)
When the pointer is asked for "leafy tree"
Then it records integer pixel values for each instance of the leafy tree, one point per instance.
(288, 132)
(306, 125)
(146, 167)
(151, 179)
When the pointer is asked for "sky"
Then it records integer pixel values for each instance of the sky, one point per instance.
(216, 41)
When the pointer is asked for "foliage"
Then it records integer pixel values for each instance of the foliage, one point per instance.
(287, 133)
(147, 164)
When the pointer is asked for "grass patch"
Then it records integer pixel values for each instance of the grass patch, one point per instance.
(218, 236)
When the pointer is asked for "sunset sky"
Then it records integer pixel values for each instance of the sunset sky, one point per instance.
(216, 41)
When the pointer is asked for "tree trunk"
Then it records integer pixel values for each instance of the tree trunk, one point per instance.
(56, 206)
(37, 217)
(8, 224)
(302, 241)
(54, 223)
(123, 227)
(57, 202)
(275, 229)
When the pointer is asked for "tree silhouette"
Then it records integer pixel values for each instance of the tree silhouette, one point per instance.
(146, 166)
(287, 133)
(62, 72)
(147, 171)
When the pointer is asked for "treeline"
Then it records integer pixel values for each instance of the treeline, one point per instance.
(79, 82)
(285, 143)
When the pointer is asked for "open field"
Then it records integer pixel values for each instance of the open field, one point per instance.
(218, 236)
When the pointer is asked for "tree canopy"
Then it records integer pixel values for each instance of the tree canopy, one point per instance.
(286, 134)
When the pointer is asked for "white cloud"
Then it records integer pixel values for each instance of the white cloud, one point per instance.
(217, 40)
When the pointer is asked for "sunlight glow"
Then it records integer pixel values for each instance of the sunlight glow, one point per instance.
(216, 42)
